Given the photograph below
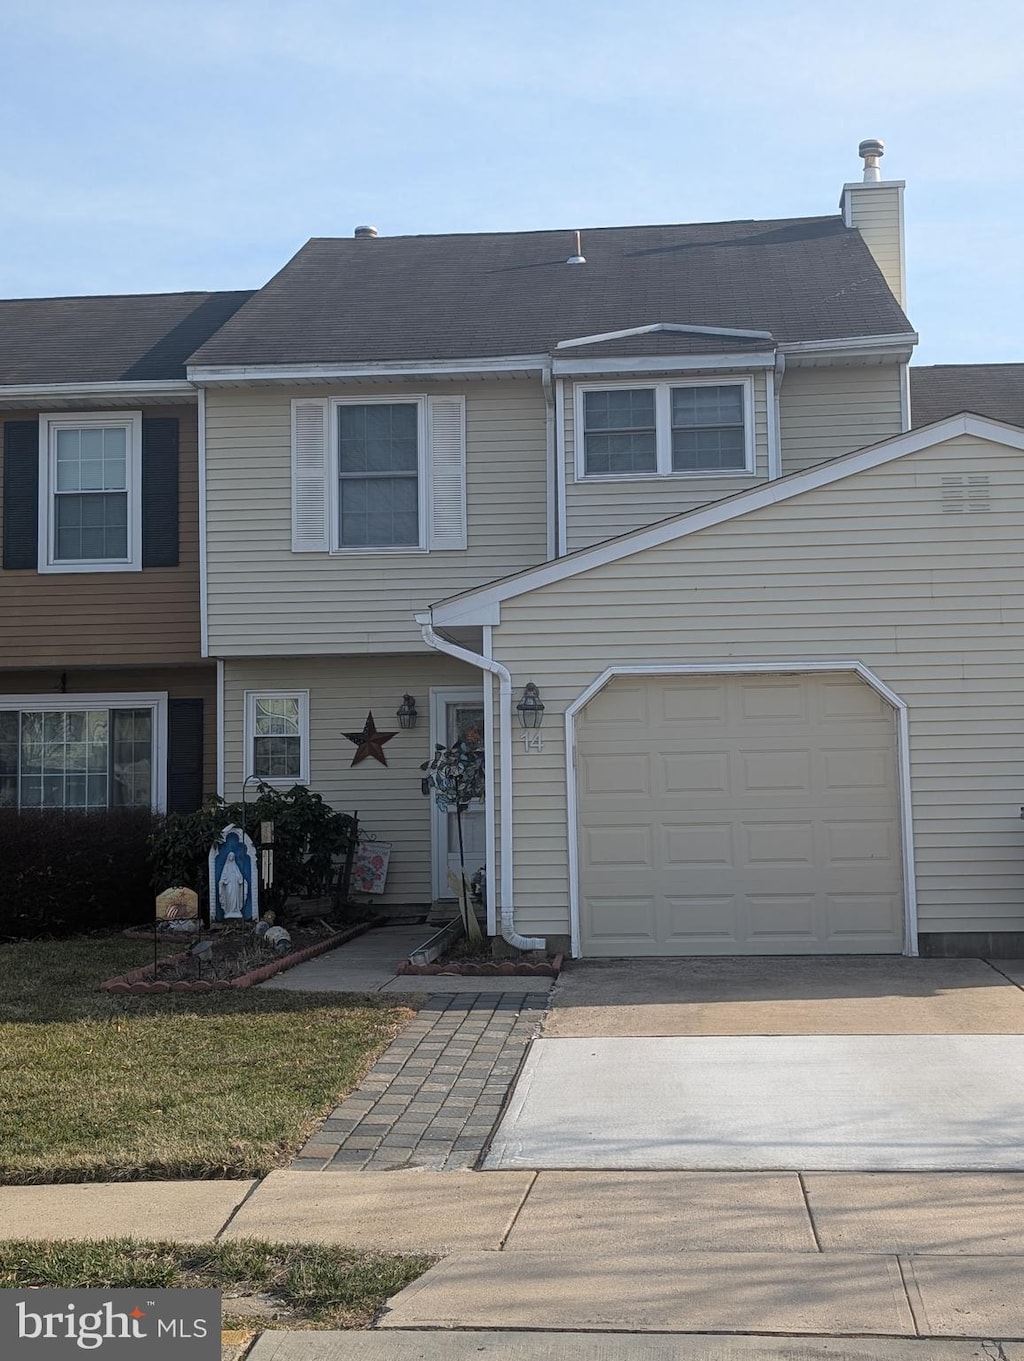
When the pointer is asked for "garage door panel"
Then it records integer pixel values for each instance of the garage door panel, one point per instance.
(761, 701)
(692, 918)
(783, 917)
(699, 772)
(700, 843)
(777, 843)
(619, 919)
(740, 815)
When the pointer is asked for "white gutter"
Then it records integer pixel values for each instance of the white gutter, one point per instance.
(406, 368)
(463, 654)
(850, 344)
(178, 389)
(204, 622)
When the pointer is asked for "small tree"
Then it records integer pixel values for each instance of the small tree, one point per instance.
(456, 775)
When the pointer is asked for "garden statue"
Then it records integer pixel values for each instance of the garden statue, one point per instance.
(234, 881)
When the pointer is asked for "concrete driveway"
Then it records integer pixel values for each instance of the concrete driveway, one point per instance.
(819, 1064)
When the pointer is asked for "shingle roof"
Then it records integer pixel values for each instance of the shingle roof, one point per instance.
(136, 337)
(941, 390)
(349, 300)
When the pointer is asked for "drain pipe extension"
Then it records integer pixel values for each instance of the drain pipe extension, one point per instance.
(463, 654)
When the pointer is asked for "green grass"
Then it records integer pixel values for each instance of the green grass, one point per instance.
(101, 1088)
(303, 1283)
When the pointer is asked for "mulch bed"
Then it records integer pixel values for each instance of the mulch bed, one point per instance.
(238, 960)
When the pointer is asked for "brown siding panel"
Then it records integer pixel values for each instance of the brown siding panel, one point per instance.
(112, 618)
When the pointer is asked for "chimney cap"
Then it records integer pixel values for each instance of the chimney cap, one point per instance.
(365, 231)
(872, 149)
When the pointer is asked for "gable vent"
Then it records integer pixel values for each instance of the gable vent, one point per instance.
(966, 494)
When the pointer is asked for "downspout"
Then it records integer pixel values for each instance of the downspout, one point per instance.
(463, 654)
(552, 465)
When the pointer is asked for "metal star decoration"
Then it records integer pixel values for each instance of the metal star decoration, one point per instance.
(369, 742)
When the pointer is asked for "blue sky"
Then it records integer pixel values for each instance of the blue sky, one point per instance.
(155, 145)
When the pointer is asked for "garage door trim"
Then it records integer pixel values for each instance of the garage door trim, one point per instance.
(758, 668)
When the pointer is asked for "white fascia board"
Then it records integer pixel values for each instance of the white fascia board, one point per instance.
(678, 327)
(905, 340)
(470, 606)
(665, 363)
(421, 368)
(177, 388)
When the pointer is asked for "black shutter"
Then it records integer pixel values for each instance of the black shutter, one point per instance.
(160, 491)
(184, 755)
(21, 495)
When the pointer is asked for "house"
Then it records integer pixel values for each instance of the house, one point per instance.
(649, 511)
(106, 698)
(666, 477)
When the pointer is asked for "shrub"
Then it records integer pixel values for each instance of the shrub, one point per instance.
(65, 871)
(310, 838)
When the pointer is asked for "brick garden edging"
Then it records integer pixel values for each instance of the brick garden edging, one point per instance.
(140, 982)
(504, 970)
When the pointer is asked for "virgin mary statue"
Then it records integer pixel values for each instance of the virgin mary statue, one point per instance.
(232, 890)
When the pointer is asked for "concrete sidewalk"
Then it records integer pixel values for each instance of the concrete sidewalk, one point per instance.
(586, 1346)
(369, 963)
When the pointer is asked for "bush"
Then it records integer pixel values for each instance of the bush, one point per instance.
(67, 871)
(310, 838)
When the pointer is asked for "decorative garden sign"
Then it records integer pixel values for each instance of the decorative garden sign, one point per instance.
(234, 882)
(177, 904)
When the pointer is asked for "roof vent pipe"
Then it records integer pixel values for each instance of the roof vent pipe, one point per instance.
(365, 231)
(872, 149)
(579, 258)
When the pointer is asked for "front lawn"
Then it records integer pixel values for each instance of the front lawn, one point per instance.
(101, 1088)
(291, 1285)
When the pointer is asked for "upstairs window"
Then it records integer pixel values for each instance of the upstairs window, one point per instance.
(378, 475)
(90, 493)
(664, 429)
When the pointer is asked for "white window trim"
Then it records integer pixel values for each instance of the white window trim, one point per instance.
(663, 428)
(156, 701)
(286, 781)
(423, 464)
(79, 420)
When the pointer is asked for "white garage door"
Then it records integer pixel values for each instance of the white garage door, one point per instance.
(724, 815)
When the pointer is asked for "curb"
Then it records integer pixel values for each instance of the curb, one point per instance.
(140, 982)
(506, 970)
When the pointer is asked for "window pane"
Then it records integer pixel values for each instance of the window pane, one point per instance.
(619, 431)
(277, 758)
(63, 758)
(132, 763)
(619, 409)
(708, 450)
(379, 512)
(277, 716)
(379, 437)
(92, 459)
(91, 526)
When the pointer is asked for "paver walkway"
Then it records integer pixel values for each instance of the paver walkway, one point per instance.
(434, 1096)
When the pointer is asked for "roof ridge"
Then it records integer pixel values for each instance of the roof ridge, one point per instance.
(620, 227)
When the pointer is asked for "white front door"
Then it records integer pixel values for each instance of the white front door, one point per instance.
(456, 714)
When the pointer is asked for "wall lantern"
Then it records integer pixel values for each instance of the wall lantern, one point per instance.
(407, 714)
(530, 708)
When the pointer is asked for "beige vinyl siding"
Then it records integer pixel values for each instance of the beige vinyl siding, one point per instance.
(341, 692)
(178, 682)
(877, 212)
(112, 618)
(825, 412)
(599, 510)
(870, 569)
(263, 596)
